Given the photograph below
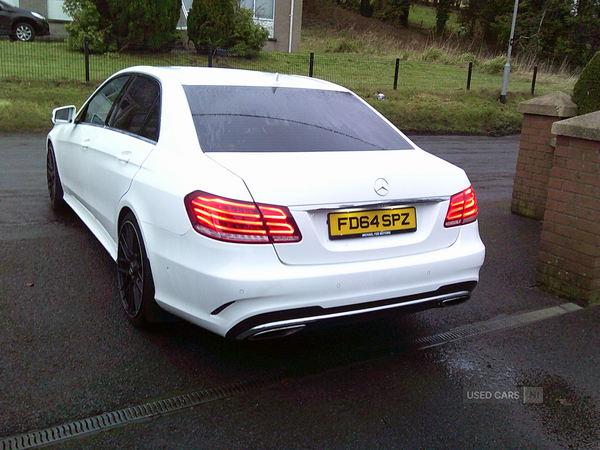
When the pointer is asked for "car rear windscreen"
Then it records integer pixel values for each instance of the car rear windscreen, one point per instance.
(269, 119)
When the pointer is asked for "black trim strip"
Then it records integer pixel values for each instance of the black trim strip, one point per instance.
(407, 303)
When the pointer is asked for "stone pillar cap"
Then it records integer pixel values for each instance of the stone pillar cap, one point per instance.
(556, 104)
(583, 127)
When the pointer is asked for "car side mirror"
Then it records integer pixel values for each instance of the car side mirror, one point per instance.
(64, 114)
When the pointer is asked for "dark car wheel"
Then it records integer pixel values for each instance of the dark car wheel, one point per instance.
(24, 32)
(55, 190)
(135, 277)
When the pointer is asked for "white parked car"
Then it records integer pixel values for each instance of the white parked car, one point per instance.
(255, 204)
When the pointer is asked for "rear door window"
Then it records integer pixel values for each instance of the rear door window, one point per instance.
(138, 108)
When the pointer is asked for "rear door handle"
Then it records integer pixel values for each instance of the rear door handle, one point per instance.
(124, 157)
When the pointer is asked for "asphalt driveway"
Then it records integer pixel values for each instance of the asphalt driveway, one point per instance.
(514, 367)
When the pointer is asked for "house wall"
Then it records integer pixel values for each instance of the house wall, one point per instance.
(55, 11)
(40, 6)
(281, 36)
(51, 9)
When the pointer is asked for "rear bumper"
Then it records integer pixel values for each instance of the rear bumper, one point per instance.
(245, 292)
(284, 323)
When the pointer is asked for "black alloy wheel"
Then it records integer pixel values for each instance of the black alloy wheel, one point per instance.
(55, 190)
(134, 276)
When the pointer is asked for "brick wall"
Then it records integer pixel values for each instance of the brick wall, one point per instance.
(536, 152)
(569, 255)
(533, 166)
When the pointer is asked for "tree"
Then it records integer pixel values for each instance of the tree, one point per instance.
(366, 9)
(586, 93)
(483, 22)
(442, 15)
(87, 23)
(395, 11)
(211, 24)
(247, 39)
(541, 26)
(584, 30)
(224, 24)
(469, 16)
(566, 32)
(148, 25)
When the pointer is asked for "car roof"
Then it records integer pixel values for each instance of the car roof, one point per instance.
(213, 76)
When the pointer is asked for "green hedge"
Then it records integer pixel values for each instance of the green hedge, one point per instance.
(586, 93)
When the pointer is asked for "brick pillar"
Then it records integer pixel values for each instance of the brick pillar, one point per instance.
(536, 150)
(569, 256)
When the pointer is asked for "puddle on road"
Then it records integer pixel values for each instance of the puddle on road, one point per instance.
(567, 414)
(563, 413)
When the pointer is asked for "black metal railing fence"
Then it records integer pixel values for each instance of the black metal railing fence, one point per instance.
(52, 61)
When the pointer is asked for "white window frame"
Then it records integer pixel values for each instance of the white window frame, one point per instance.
(269, 24)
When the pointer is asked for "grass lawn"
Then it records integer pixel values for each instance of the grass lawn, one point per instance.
(431, 96)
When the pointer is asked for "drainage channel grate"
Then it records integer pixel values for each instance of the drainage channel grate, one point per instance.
(125, 416)
(494, 325)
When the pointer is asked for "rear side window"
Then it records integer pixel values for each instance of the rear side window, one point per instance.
(269, 119)
(138, 110)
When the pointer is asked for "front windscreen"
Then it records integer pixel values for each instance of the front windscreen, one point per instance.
(268, 119)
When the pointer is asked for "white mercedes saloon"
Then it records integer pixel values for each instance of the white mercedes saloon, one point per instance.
(256, 205)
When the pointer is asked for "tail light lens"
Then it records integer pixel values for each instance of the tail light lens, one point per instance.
(463, 209)
(243, 222)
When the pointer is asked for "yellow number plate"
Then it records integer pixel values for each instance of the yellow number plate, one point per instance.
(378, 222)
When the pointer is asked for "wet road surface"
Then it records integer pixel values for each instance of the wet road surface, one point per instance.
(68, 353)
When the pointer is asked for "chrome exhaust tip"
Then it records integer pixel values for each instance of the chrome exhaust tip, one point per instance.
(454, 301)
(275, 333)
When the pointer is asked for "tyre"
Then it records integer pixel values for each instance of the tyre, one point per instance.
(136, 286)
(55, 190)
(24, 32)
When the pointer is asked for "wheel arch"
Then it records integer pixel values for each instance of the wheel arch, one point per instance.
(125, 210)
(54, 183)
(152, 312)
(26, 20)
(50, 145)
